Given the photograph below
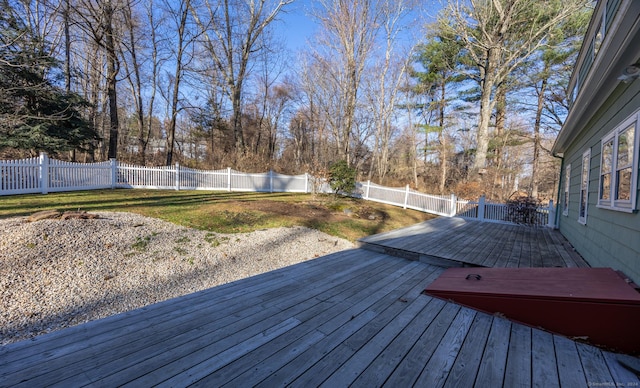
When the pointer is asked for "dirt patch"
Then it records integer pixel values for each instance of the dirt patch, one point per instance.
(316, 211)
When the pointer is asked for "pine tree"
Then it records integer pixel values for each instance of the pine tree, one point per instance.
(36, 114)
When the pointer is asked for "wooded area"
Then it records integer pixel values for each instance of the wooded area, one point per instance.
(470, 103)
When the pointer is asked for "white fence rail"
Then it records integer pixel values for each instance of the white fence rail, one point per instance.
(409, 199)
(43, 175)
(497, 212)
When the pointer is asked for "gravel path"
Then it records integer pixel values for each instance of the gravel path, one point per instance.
(60, 273)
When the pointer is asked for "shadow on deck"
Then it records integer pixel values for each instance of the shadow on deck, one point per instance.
(458, 242)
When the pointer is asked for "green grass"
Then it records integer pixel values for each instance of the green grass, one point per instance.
(225, 212)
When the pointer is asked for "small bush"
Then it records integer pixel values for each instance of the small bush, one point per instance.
(342, 178)
(524, 210)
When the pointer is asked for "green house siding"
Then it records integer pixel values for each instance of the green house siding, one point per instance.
(609, 238)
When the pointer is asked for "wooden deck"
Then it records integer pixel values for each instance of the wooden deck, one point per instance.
(455, 242)
(352, 318)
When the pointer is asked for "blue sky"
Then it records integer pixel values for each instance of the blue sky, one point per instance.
(296, 26)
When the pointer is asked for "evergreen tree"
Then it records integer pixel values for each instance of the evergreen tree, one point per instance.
(35, 113)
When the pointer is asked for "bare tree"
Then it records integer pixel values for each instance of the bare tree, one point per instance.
(349, 31)
(179, 12)
(385, 82)
(232, 31)
(97, 19)
(132, 65)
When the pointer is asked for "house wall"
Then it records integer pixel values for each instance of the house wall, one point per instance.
(609, 238)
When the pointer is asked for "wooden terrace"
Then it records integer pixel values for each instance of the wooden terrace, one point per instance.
(458, 242)
(356, 317)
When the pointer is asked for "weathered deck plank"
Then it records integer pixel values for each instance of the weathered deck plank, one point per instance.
(439, 366)
(234, 340)
(570, 369)
(392, 355)
(494, 357)
(518, 369)
(465, 369)
(257, 366)
(621, 376)
(125, 323)
(543, 360)
(595, 367)
(409, 369)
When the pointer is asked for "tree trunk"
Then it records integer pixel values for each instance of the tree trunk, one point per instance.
(136, 86)
(486, 107)
(175, 96)
(67, 60)
(536, 141)
(442, 139)
(112, 72)
(238, 135)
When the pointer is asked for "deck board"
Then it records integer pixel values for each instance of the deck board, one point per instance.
(385, 363)
(543, 360)
(518, 369)
(439, 366)
(465, 369)
(494, 357)
(570, 369)
(260, 364)
(595, 368)
(471, 242)
(356, 317)
(410, 368)
(620, 375)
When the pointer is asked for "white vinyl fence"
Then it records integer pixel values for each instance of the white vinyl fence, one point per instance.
(484, 210)
(409, 199)
(44, 175)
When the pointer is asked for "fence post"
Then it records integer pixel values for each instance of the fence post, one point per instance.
(114, 172)
(406, 197)
(44, 173)
(481, 202)
(366, 193)
(551, 222)
(228, 178)
(306, 182)
(454, 205)
(271, 181)
(177, 176)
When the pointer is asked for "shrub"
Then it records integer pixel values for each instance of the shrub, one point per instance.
(524, 210)
(342, 178)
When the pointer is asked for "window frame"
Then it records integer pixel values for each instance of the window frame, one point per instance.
(567, 186)
(584, 187)
(611, 202)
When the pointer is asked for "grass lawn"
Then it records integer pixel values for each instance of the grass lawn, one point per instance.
(228, 212)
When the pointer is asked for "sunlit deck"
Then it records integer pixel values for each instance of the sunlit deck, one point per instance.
(452, 242)
(355, 317)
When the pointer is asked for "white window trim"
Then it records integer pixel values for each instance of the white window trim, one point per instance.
(613, 204)
(567, 185)
(586, 159)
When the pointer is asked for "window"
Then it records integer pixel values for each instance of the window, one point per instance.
(584, 186)
(565, 200)
(618, 167)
